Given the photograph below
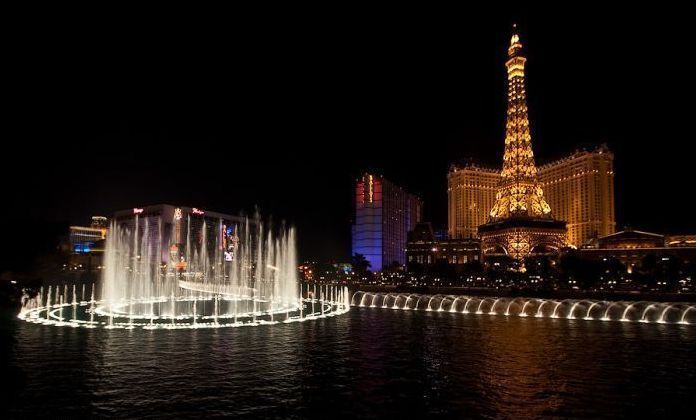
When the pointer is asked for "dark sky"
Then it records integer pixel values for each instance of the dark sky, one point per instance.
(231, 111)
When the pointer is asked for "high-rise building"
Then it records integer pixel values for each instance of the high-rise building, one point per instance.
(471, 193)
(520, 222)
(384, 214)
(172, 234)
(579, 189)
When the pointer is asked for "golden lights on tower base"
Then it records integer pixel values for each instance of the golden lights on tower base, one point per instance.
(521, 238)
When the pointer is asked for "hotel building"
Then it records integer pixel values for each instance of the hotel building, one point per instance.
(579, 189)
(176, 232)
(384, 214)
(471, 193)
(86, 245)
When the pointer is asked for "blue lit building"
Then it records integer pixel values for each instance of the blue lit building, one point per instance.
(384, 214)
(86, 245)
(87, 239)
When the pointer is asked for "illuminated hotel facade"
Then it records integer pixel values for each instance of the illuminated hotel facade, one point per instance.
(86, 245)
(87, 239)
(384, 214)
(169, 233)
(471, 193)
(579, 189)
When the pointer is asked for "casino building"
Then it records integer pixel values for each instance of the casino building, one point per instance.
(631, 246)
(173, 232)
(577, 190)
(384, 214)
(86, 245)
(425, 248)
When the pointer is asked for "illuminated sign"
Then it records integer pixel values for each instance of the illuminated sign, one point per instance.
(137, 210)
(196, 211)
(177, 214)
(83, 247)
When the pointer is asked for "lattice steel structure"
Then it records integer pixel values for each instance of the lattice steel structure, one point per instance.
(520, 221)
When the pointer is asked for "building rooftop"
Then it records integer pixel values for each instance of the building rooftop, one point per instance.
(472, 165)
(170, 208)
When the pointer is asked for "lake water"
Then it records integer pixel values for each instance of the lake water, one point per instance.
(369, 363)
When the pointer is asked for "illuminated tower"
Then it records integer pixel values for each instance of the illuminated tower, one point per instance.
(520, 221)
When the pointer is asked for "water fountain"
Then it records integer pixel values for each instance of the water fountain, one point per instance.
(465, 311)
(205, 278)
(568, 309)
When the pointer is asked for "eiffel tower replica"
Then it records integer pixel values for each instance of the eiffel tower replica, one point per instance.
(520, 223)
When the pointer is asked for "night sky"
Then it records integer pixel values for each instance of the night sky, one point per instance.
(284, 113)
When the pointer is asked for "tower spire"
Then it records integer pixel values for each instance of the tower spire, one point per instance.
(519, 191)
(515, 44)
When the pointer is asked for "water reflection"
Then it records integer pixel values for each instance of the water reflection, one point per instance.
(370, 363)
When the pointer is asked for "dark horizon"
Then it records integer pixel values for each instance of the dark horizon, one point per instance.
(113, 118)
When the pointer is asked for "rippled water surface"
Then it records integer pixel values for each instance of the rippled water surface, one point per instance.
(368, 363)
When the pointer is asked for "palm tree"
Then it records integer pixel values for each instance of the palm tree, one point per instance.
(360, 264)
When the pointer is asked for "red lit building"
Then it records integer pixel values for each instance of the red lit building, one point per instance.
(384, 214)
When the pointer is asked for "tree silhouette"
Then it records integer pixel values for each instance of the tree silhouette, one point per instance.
(360, 264)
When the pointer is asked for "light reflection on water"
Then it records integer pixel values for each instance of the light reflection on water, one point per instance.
(367, 363)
